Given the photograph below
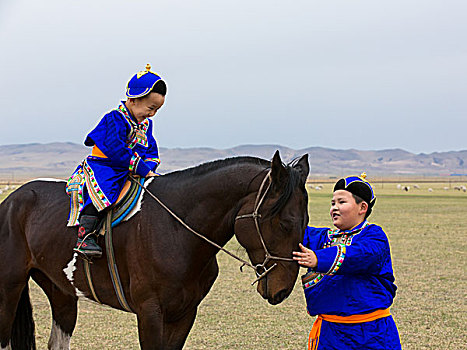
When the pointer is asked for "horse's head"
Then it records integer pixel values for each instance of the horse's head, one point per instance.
(282, 207)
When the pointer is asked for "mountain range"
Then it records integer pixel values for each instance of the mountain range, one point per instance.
(59, 159)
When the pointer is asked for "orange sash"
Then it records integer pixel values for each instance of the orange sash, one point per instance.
(96, 152)
(313, 338)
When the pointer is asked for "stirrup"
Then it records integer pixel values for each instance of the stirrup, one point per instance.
(88, 255)
(83, 255)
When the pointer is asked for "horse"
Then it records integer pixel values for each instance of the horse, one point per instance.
(165, 270)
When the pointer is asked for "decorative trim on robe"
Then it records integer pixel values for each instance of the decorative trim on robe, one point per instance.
(97, 196)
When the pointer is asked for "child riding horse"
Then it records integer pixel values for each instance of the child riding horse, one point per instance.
(122, 143)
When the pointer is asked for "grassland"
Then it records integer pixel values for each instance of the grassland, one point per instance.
(428, 234)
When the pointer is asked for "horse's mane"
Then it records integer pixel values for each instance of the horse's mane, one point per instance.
(293, 179)
(208, 167)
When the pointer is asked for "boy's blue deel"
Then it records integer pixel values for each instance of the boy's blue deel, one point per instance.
(142, 83)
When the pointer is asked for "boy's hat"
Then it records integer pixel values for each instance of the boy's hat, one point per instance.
(142, 83)
(358, 186)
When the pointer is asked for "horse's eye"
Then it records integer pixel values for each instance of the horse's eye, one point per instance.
(285, 226)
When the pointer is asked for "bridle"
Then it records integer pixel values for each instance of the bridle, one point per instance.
(260, 269)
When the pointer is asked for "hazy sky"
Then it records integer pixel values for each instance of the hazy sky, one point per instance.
(359, 74)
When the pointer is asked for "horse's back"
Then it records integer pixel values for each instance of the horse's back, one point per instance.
(36, 192)
(45, 191)
(15, 207)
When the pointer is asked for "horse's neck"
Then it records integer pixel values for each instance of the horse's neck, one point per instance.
(208, 201)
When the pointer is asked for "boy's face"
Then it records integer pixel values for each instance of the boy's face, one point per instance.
(345, 212)
(145, 107)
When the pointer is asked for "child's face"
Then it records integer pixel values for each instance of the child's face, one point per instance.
(145, 107)
(345, 212)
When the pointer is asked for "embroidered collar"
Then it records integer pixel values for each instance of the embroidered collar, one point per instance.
(134, 125)
(138, 131)
(354, 231)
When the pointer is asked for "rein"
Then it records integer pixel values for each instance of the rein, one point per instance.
(260, 269)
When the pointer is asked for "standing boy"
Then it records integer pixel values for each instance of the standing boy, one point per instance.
(350, 281)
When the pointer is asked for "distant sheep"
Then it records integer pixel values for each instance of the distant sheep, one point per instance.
(399, 186)
(1, 191)
(430, 190)
(446, 188)
(406, 188)
(416, 186)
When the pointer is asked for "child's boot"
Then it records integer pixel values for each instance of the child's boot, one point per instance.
(86, 244)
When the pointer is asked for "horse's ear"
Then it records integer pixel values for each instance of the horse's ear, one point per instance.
(303, 167)
(278, 171)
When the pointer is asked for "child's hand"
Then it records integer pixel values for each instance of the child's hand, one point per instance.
(151, 174)
(306, 258)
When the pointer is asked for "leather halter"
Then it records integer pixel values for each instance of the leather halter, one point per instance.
(260, 269)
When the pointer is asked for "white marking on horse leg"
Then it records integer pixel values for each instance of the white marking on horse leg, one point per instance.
(80, 294)
(70, 268)
(69, 271)
(138, 204)
(8, 347)
(59, 340)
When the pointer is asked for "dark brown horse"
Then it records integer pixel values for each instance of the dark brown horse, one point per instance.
(165, 269)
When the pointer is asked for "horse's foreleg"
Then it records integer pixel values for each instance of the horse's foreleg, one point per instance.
(154, 334)
(175, 333)
(150, 326)
(64, 312)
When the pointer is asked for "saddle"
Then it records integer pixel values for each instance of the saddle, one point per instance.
(129, 196)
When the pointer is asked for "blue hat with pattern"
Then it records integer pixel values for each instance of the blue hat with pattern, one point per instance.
(358, 186)
(142, 83)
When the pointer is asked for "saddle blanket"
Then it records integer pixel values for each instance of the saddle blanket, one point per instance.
(127, 204)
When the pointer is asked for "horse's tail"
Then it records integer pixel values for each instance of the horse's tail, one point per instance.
(22, 333)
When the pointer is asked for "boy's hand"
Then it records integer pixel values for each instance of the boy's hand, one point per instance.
(151, 174)
(306, 258)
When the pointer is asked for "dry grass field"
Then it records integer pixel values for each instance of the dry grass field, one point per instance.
(428, 234)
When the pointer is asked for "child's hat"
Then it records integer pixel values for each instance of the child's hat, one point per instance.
(142, 83)
(358, 186)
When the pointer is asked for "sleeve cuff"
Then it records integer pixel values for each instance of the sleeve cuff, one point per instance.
(330, 259)
(155, 160)
(152, 164)
(138, 166)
